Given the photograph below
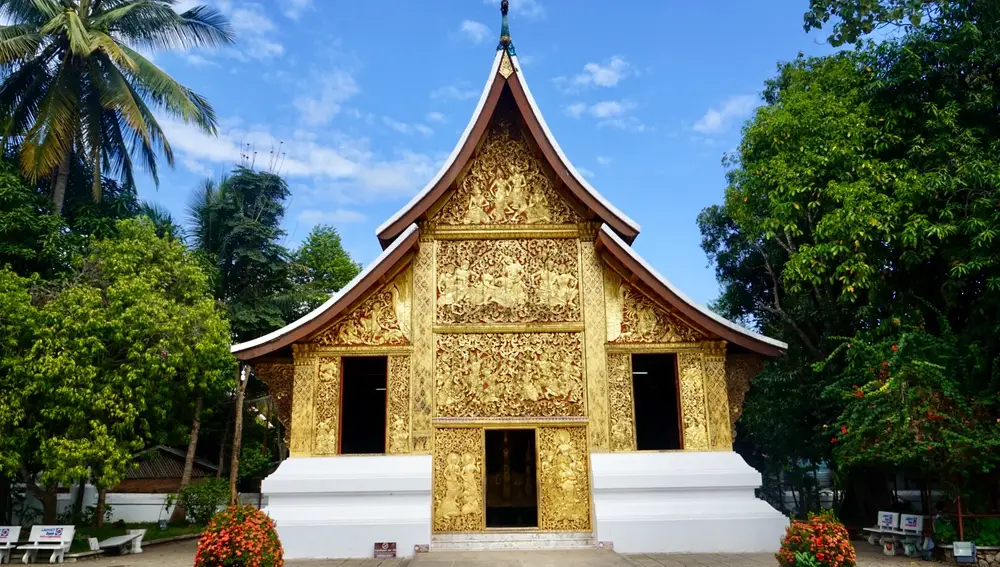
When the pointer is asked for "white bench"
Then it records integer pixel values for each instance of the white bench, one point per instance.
(131, 542)
(899, 534)
(56, 539)
(8, 541)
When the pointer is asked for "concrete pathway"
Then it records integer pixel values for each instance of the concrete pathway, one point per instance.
(572, 558)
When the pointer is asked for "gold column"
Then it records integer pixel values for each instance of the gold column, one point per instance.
(422, 383)
(715, 394)
(397, 429)
(620, 402)
(564, 477)
(327, 407)
(693, 404)
(596, 335)
(304, 383)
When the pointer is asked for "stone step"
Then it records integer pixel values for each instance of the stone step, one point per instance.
(488, 541)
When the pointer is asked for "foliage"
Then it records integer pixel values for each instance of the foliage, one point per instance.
(983, 531)
(240, 536)
(30, 239)
(324, 267)
(202, 499)
(945, 530)
(806, 559)
(254, 460)
(74, 84)
(822, 538)
(87, 517)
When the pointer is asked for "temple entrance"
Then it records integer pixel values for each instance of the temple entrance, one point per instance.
(511, 479)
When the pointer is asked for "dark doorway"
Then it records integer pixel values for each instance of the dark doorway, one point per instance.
(511, 479)
(362, 403)
(654, 389)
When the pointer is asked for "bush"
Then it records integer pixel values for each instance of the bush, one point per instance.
(202, 499)
(820, 541)
(239, 536)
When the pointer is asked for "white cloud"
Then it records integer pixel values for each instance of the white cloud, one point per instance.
(453, 92)
(184, 5)
(295, 8)
(614, 113)
(585, 172)
(336, 216)
(423, 129)
(404, 128)
(435, 117)
(475, 31)
(598, 75)
(335, 88)
(253, 29)
(576, 109)
(604, 160)
(529, 8)
(718, 119)
(196, 60)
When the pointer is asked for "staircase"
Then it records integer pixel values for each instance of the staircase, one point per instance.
(512, 540)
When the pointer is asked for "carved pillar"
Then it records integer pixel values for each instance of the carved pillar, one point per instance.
(422, 315)
(622, 407)
(592, 277)
(693, 406)
(719, 428)
(306, 371)
(397, 432)
(327, 407)
(279, 379)
(564, 477)
(458, 480)
(740, 369)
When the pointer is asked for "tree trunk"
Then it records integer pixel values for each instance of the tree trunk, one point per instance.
(62, 180)
(234, 467)
(81, 487)
(222, 444)
(6, 514)
(179, 510)
(102, 495)
(49, 502)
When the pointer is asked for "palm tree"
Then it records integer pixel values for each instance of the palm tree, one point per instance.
(73, 84)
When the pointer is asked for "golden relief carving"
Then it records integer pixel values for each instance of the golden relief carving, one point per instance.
(564, 478)
(505, 184)
(508, 281)
(693, 401)
(740, 369)
(593, 308)
(719, 427)
(398, 392)
(620, 401)
(509, 375)
(506, 66)
(279, 379)
(422, 380)
(302, 405)
(327, 407)
(458, 480)
(382, 319)
(634, 318)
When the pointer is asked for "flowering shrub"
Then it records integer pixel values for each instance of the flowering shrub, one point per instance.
(239, 536)
(820, 541)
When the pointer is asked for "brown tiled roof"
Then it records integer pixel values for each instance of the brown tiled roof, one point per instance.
(166, 462)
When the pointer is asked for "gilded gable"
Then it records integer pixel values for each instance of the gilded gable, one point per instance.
(506, 184)
(383, 319)
(632, 317)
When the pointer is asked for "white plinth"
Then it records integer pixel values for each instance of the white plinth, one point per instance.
(340, 506)
(682, 502)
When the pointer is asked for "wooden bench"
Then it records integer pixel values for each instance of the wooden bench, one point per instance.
(56, 539)
(8, 541)
(131, 542)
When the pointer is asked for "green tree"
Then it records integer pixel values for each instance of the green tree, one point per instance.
(324, 267)
(74, 85)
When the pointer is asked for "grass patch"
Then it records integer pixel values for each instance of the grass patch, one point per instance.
(153, 533)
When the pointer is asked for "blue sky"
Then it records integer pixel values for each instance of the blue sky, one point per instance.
(366, 99)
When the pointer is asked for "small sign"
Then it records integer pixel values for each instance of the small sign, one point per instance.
(50, 534)
(4, 534)
(385, 550)
(888, 520)
(912, 522)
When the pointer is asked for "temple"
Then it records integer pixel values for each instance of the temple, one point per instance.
(509, 373)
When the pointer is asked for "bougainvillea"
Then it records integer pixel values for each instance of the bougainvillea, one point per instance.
(239, 536)
(821, 537)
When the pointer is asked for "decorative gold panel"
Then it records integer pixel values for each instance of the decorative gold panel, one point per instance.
(506, 66)
(422, 382)
(719, 426)
(398, 391)
(632, 317)
(693, 401)
(564, 477)
(306, 369)
(620, 401)
(327, 406)
(508, 281)
(279, 379)
(506, 184)
(592, 275)
(458, 480)
(509, 375)
(382, 319)
(740, 369)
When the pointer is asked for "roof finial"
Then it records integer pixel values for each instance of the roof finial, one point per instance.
(505, 41)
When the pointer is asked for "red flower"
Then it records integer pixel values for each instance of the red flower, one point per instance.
(843, 429)
(895, 348)
(833, 440)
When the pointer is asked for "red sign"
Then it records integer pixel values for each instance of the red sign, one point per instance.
(385, 550)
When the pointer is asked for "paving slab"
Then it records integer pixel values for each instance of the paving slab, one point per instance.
(537, 558)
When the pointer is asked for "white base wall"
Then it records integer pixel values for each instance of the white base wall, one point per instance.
(340, 506)
(682, 502)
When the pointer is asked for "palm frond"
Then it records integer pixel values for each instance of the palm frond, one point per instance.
(18, 42)
(157, 26)
(21, 94)
(167, 94)
(104, 42)
(29, 11)
(79, 36)
(54, 131)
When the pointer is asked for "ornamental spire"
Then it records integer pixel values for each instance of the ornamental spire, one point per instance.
(505, 42)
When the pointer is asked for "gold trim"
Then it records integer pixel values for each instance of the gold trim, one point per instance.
(504, 232)
(510, 422)
(363, 350)
(506, 66)
(652, 348)
(509, 328)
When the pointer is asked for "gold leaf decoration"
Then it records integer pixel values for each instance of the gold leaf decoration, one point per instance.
(693, 401)
(716, 397)
(279, 379)
(597, 384)
(564, 478)
(740, 369)
(458, 480)
(382, 319)
(398, 391)
(327, 407)
(635, 318)
(620, 401)
(302, 405)
(422, 384)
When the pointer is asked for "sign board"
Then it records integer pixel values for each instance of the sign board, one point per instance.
(50, 533)
(9, 535)
(911, 522)
(888, 520)
(385, 550)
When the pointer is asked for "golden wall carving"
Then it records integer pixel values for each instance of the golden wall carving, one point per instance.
(398, 392)
(422, 380)
(279, 379)
(693, 401)
(620, 402)
(564, 477)
(458, 480)
(740, 369)
(632, 317)
(508, 281)
(719, 426)
(306, 370)
(382, 319)
(327, 407)
(592, 275)
(505, 184)
(509, 375)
